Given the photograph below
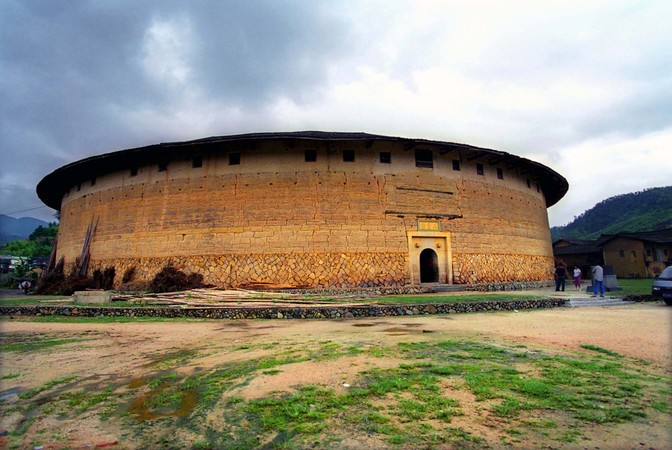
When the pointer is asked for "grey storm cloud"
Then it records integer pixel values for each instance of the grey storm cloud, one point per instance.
(86, 56)
(292, 48)
(71, 70)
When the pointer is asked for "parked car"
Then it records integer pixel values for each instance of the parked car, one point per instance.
(662, 285)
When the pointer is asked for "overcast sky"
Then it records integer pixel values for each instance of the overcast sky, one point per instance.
(584, 87)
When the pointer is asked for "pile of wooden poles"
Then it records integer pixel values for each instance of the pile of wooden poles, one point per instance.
(222, 297)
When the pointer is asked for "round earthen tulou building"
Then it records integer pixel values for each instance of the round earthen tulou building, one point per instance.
(309, 209)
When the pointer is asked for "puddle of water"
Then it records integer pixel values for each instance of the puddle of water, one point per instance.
(136, 383)
(399, 330)
(9, 393)
(141, 411)
(43, 400)
(140, 408)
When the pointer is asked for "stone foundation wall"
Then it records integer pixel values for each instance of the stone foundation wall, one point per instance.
(312, 270)
(474, 268)
(330, 270)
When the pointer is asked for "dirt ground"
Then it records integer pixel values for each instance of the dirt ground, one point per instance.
(122, 351)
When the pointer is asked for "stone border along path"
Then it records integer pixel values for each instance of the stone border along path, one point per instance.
(280, 312)
(340, 311)
(602, 301)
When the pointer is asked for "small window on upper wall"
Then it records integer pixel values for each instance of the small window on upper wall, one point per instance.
(348, 156)
(386, 157)
(500, 174)
(479, 169)
(197, 161)
(310, 155)
(621, 253)
(456, 164)
(234, 158)
(424, 159)
(529, 184)
(93, 181)
(134, 171)
(163, 166)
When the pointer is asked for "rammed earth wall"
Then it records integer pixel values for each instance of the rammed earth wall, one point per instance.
(260, 210)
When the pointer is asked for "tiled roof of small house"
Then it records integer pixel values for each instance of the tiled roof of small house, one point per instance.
(582, 246)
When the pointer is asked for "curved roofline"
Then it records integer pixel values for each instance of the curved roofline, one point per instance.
(53, 186)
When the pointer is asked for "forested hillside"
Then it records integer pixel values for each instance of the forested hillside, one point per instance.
(12, 229)
(646, 210)
(39, 243)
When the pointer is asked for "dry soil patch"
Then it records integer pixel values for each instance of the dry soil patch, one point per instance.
(125, 351)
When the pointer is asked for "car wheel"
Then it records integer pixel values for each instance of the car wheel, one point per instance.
(668, 301)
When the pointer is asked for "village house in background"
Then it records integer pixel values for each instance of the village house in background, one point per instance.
(308, 209)
(631, 255)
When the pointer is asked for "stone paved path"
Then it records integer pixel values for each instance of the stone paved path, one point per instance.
(576, 299)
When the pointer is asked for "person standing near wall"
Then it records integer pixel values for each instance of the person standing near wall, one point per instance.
(598, 280)
(577, 278)
(560, 276)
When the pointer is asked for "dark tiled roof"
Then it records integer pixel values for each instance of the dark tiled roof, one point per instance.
(656, 236)
(580, 246)
(574, 241)
(577, 249)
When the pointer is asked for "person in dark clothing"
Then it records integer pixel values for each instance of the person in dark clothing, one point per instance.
(560, 276)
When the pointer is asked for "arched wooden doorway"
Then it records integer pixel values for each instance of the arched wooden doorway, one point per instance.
(429, 266)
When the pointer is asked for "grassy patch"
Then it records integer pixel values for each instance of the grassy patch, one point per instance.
(101, 319)
(457, 298)
(30, 300)
(413, 404)
(20, 343)
(23, 427)
(173, 359)
(212, 384)
(634, 286)
(33, 300)
(332, 350)
(301, 412)
(597, 349)
(82, 400)
(380, 351)
(162, 380)
(509, 407)
(46, 386)
(10, 376)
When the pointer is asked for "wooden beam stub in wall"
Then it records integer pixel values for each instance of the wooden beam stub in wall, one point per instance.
(402, 188)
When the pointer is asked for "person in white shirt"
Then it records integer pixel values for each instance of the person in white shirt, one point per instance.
(598, 280)
(577, 278)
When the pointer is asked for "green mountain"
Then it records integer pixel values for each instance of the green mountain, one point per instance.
(12, 229)
(646, 210)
